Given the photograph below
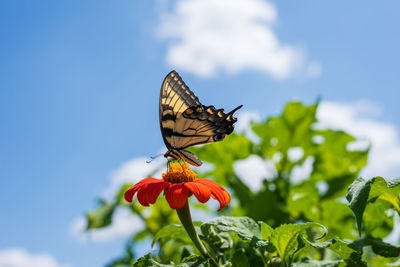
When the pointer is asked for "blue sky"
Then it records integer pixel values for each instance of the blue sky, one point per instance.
(80, 80)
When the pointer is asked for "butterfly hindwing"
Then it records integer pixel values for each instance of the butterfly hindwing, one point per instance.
(201, 125)
(185, 122)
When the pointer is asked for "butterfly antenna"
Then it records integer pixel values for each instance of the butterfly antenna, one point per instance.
(153, 157)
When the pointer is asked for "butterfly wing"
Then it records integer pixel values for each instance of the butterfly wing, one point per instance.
(175, 98)
(185, 122)
(202, 125)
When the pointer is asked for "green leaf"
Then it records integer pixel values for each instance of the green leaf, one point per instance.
(358, 196)
(362, 192)
(148, 261)
(156, 217)
(388, 191)
(245, 227)
(173, 231)
(240, 258)
(304, 200)
(333, 159)
(273, 214)
(376, 219)
(293, 128)
(284, 237)
(307, 262)
(349, 252)
(101, 217)
(266, 231)
(382, 261)
(382, 248)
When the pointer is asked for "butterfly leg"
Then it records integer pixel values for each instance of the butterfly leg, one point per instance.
(180, 163)
(169, 164)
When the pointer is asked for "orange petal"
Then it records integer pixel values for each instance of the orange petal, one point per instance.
(142, 195)
(132, 191)
(217, 192)
(201, 191)
(176, 195)
(154, 190)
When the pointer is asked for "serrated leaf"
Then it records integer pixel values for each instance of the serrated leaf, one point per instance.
(306, 262)
(245, 227)
(284, 237)
(358, 196)
(377, 221)
(361, 192)
(382, 248)
(148, 261)
(173, 231)
(266, 231)
(386, 191)
(349, 252)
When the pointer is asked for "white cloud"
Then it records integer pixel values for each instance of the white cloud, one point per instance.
(243, 124)
(20, 257)
(302, 172)
(254, 170)
(360, 120)
(208, 36)
(133, 171)
(124, 224)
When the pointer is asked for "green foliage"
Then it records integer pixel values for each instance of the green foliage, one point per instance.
(147, 261)
(373, 192)
(291, 220)
(101, 217)
(285, 238)
(240, 241)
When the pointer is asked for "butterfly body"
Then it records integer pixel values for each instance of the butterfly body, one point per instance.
(185, 122)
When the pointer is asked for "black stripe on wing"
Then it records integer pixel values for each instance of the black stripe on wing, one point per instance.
(176, 94)
(175, 97)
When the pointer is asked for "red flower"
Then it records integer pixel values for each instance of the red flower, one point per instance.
(177, 183)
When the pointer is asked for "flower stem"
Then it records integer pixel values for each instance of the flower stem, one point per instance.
(186, 220)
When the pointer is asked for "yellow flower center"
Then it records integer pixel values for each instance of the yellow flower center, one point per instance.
(179, 172)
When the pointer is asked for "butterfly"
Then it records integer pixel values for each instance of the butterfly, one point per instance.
(185, 122)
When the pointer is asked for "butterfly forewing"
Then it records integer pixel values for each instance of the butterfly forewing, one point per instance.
(175, 98)
(185, 122)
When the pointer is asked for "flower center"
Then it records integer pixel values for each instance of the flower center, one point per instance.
(179, 172)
